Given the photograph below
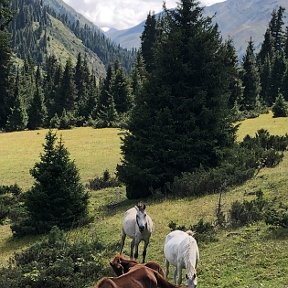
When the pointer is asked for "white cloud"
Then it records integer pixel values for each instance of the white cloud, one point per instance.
(121, 14)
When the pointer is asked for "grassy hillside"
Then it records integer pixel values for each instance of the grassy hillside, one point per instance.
(64, 44)
(253, 256)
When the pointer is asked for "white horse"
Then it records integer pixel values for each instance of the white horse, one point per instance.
(181, 250)
(138, 226)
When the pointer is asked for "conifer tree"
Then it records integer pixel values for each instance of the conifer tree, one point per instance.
(139, 75)
(68, 88)
(277, 76)
(180, 121)
(37, 112)
(18, 118)
(250, 78)
(5, 57)
(120, 90)
(57, 196)
(148, 39)
(280, 107)
(286, 43)
(106, 111)
(235, 86)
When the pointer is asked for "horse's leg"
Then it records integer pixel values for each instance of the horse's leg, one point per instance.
(175, 275)
(122, 241)
(136, 245)
(179, 274)
(167, 268)
(145, 250)
(132, 248)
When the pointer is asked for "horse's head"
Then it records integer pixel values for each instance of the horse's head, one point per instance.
(191, 280)
(116, 265)
(141, 216)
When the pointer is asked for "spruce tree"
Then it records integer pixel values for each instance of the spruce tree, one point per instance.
(37, 112)
(120, 90)
(57, 196)
(18, 118)
(139, 75)
(5, 61)
(106, 111)
(180, 121)
(68, 94)
(277, 75)
(250, 78)
(148, 39)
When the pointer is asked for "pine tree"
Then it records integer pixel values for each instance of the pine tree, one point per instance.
(68, 88)
(148, 39)
(235, 86)
(180, 121)
(18, 118)
(250, 78)
(280, 107)
(286, 43)
(139, 75)
(106, 111)
(277, 75)
(57, 196)
(82, 77)
(37, 112)
(120, 90)
(5, 61)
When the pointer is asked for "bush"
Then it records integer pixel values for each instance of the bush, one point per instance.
(55, 263)
(10, 196)
(248, 212)
(204, 231)
(103, 182)
(280, 107)
(277, 218)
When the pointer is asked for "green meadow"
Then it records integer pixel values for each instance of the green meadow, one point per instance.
(250, 257)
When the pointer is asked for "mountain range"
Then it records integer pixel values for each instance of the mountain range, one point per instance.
(237, 19)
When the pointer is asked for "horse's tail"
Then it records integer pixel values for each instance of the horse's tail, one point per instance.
(162, 282)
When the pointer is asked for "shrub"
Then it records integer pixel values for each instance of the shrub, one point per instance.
(103, 182)
(248, 212)
(9, 198)
(277, 218)
(204, 231)
(55, 263)
(280, 107)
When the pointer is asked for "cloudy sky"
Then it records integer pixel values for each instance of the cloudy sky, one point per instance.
(121, 14)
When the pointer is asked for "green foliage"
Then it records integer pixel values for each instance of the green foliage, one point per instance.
(57, 196)
(103, 182)
(9, 198)
(250, 78)
(181, 119)
(204, 231)
(248, 212)
(54, 263)
(280, 107)
(277, 217)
